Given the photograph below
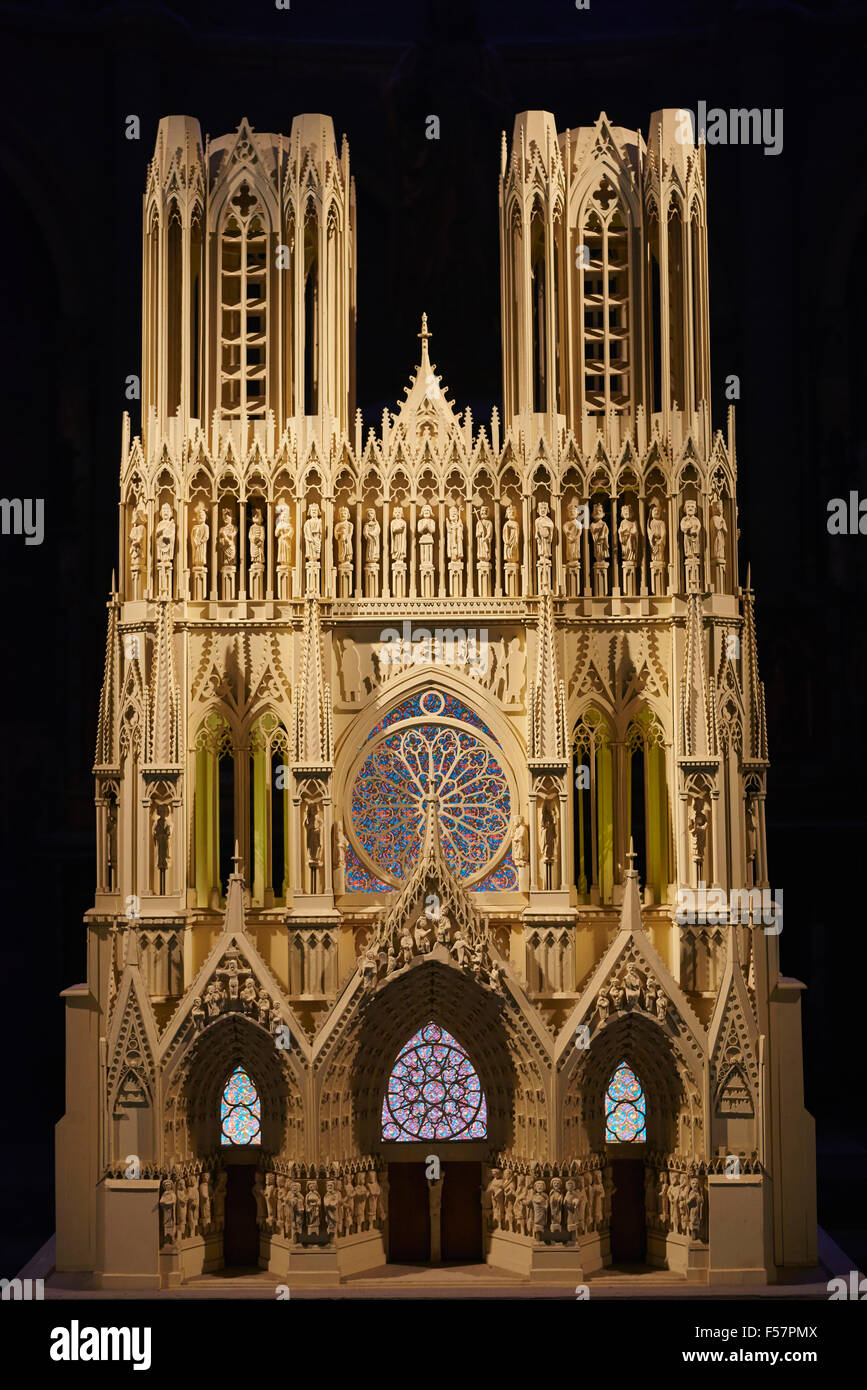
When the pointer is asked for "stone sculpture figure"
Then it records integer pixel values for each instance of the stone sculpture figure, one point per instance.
(423, 935)
(270, 1200)
(374, 1200)
(199, 535)
(509, 1195)
(484, 535)
(192, 1205)
(496, 1198)
(298, 1210)
(598, 1201)
(283, 532)
(260, 1199)
(511, 539)
(330, 1207)
(397, 529)
(162, 835)
(372, 535)
(656, 534)
(343, 533)
(720, 531)
(617, 994)
(165, 537)
(627, 532)
(555, 1203)
(662, 1201)
(282, 1194)
(181, 1201)
(227, 545)
(539, 1205)
(519, 842)
(632, 987)
(572, 529)
(694, 1209)
(313, 1206)
(690, 527)
(167, 1211)
(683, 1205)
(425, 529)
(603, 1005)
(360, 1202)
(312, 531)
(698, 830)
(544, 533)
(256, 543)
(650, 994)
(599, 534)
(205, 1203)
(460, 947)
(136, 549)
(455, 551)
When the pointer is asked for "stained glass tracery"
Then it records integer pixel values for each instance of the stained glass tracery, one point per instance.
(429, 704)
(434, 1091)
(625, 1108)
(240, 1111)
(403, 770)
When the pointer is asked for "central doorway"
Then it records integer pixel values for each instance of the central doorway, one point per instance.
(241, 1234)
(408, 1214)
(461, 1213)
(628, 1232)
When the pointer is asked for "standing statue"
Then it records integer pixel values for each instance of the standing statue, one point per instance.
(313, 837)
(313, 547)
(598, 1201)
(690, 526)
(698, 832)
(544, 532)
(313, 1205)
(205, 1203)
(360, 1202)
(484, 535)
(283, 532)
(330, 1206)
(662, 1201)
(694, 1209)
(627, 532)
(539, 1203)
(555, 1202)
(372, 534)
(425, 530)
(199, 536)
(656, 534)
(374, 1200)
(298, 1209)
(167, 1206)
(343, 533)
(162, 835)
(423, 934)
(632, 986)
(599, 534)
(495, 1193)
(572, 530)
(220, 1200)
(181, 1208)
(165, 549)
(136, 549)
(397, 552)
(455, 552)
(519, 842)
(256, 543)
(266, 1201)
(340, 844)
(720, 532)
(227, 544)
(511, 539)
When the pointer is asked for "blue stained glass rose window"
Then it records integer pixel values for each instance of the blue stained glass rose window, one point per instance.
(434, 1091)
(451, 764)
(625, 1108)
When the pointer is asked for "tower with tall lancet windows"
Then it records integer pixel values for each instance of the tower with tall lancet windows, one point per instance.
(431, 761)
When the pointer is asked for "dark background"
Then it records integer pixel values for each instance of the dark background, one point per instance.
(788, 294)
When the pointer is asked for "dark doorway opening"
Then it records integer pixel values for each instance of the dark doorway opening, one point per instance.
(241, 1235)
(461, 1214)
(408, 1214)
(628, 1234)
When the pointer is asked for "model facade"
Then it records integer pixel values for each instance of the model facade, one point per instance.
(433, 919)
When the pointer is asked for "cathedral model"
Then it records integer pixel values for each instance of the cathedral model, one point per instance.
(432, 918)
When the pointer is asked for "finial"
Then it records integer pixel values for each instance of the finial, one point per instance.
(749, 577)
(424, 334)
(236, 861)
(632, 856)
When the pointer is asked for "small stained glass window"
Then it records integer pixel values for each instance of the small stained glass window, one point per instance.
(434, 1091)
(625, 1108)
(240, 1111)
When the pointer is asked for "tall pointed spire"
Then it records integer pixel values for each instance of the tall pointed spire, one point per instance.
(164, 695)
(106, 749)
(754, 690)
(313, 739)
(547, 732)
(697, 729)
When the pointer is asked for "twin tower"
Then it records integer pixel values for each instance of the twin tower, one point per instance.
(250, 275)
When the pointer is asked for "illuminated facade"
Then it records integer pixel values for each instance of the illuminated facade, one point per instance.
(416, 753)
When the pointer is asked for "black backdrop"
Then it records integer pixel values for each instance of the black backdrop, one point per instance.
(788, 288)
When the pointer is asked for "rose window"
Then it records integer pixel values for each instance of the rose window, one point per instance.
(453, 768)
(434, 1091)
